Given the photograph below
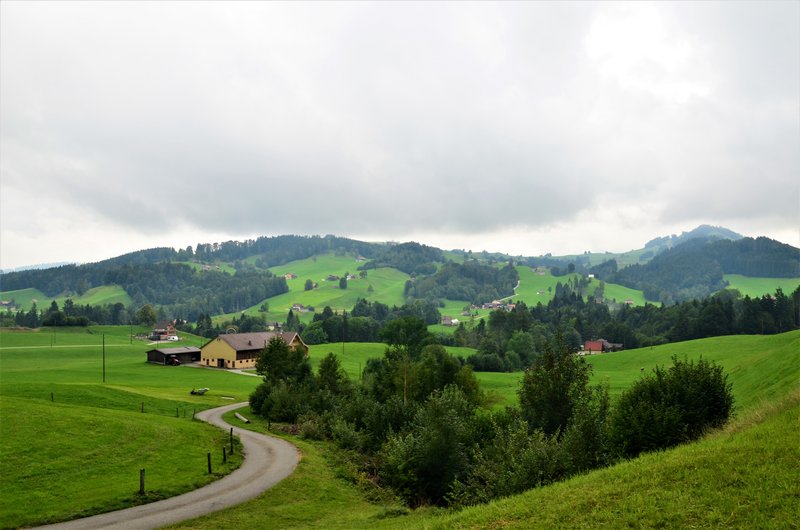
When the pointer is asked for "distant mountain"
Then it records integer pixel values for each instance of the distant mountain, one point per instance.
(36, 267)
(702, 231)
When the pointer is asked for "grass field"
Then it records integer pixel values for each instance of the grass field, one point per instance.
(763, 367)
(756, 287)
(106, 294)
(744, 476)
(386, 287)
(72, 445)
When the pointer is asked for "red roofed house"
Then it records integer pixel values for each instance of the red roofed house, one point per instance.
(600, 346)
(242, 350)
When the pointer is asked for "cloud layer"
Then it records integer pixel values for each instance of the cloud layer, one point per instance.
(545, 127)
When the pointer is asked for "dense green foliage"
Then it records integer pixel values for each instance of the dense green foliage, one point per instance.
(469, 281)
(512, 339)
(177, 288)
(411, 258)
(671, 406)
(694, 269)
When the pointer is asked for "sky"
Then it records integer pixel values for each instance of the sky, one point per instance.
(525, 128)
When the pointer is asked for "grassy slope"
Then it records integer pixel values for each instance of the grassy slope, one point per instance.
(755, 287)
(761, 366)
(743, 476)
(105, 294)
(387, 287)
(72, 459)
(93, 435)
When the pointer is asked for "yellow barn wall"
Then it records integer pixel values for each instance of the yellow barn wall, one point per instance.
(215, 350)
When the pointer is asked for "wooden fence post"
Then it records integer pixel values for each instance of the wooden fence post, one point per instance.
(224, 456)
(231, 440)
(141, 481)
(209, 462)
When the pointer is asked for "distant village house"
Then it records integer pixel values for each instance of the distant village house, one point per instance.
(600, 346)
(164, 330)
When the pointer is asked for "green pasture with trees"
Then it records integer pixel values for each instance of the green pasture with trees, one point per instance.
(740, 475)
(763, 371)
(106, 294)
(756, 287)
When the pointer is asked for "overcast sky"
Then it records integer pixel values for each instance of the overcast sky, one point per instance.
(515, 127)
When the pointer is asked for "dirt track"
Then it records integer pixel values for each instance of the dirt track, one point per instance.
(267, 461)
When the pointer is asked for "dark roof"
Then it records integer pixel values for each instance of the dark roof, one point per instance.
(256, 341)
(173, 351)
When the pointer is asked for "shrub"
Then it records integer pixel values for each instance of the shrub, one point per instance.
(672, 406)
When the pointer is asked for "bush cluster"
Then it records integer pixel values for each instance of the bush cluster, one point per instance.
(414, 423)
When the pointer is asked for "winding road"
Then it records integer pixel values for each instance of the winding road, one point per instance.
(267, 461)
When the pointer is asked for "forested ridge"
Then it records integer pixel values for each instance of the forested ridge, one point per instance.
(694, 269)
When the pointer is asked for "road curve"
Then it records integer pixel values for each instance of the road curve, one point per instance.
(267, 461)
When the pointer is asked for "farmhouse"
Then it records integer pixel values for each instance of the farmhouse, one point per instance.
(600, 346)
(241, 350)
(183, 355)
(164, 330)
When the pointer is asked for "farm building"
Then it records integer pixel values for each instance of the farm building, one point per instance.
(164, 330)
(600, 346)
(241, 350)
(183, 355)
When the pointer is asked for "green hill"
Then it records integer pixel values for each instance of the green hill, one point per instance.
(743, 476)
(105, 294)
(757, 287)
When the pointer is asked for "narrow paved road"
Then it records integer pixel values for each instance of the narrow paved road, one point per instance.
(267, 461)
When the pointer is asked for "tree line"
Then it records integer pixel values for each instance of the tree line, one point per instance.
(508, 340)
(416, 420)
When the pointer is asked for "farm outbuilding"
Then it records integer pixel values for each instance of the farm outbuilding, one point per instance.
(183, 354)
(241, 350)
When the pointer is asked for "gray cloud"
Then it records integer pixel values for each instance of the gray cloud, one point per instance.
(385, 120)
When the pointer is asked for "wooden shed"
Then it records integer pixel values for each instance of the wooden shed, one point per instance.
(182, 354)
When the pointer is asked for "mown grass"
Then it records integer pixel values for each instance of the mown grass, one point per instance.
(757, 287)
(71, 445)
(62, 460)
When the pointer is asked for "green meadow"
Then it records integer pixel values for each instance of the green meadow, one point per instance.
(105, 294)
(757, 287)
(72, 445)
(384, 285)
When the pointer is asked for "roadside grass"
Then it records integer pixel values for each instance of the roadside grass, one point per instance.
(58, 415)
(62, 460)
(322, 492)
(757, 287)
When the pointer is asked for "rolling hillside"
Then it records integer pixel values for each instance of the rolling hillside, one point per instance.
(743, 476)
